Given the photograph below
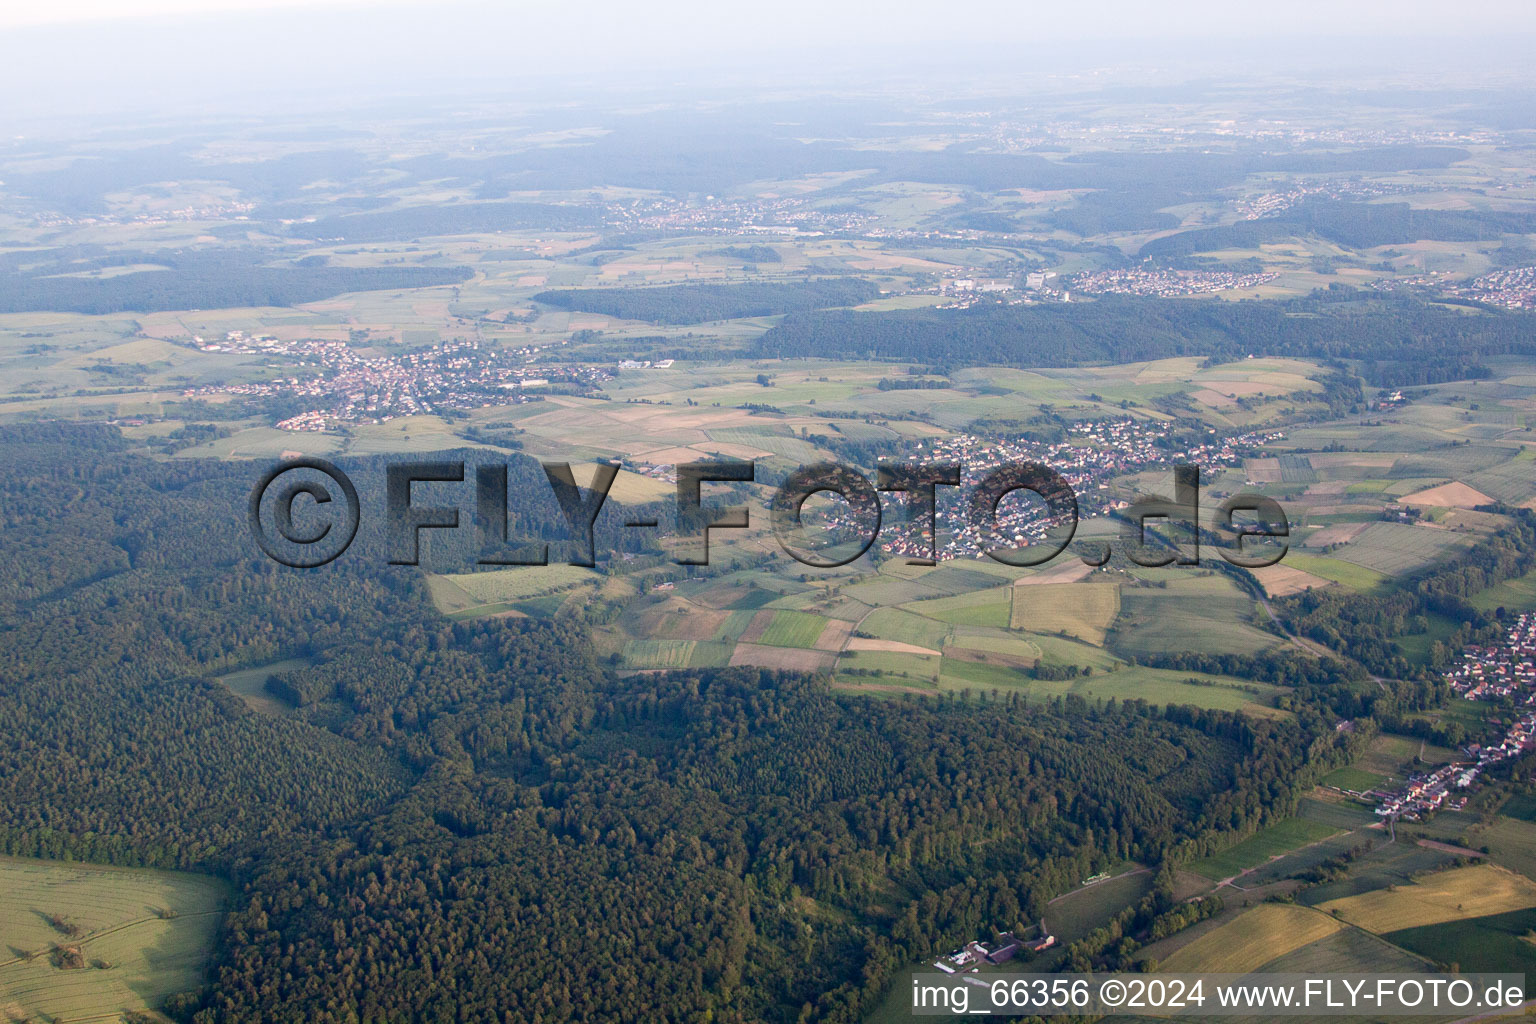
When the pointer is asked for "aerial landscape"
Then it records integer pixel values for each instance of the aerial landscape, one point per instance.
(1030, 520)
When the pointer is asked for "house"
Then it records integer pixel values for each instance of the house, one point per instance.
(1007, 947)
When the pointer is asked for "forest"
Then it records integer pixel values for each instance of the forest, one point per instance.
(1356, 225)
(209, 279)
(698, 303)
(1397, 341)
(478, 821)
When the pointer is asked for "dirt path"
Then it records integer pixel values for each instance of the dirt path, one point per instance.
(1460, 851)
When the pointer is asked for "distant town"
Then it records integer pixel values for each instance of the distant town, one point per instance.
(359, 386)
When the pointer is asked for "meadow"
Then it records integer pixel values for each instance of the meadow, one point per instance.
(1265, 845)
(1082, 610)
(1252, 939)
(1477, 891)
(141, 936)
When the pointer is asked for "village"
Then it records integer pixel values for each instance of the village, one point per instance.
(358, 387)
(1167, 283)
(1094, 452)
(1502, 671)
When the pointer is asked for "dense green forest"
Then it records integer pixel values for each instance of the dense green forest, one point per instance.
(207, 279)
(1357, 225)
(477, 821)
(1397, 341)
(698, 303)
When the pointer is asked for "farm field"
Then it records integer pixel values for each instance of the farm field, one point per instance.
(497, 591)
(1206, 613)
(1161, 686)
(1082, 610)
(791, 629)
(142, 936)
(1252, 939)
(1512, 843)
(1477, 891)
(1263, 846)
(1350, 951)
(1497, 942)
(1349, 574)
(1395, 548)
(1079, 911)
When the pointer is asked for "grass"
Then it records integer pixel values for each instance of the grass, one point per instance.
(1331, 809)
(905, 626)
(1160, 686)
(531, 590)
(1514, 595)
(1496, 943)
(1384, 864)
(955, 674)
(1395, 548)
(1521, 806)
(136, 953)
(1083, 610)
(710, 654)
(793, 629)
(1347, 951)
(1356, 780)
(983, 608)
(1252, 939)
(1205, 613)
(1477, 891)
(659, 653)
(251, 684)
(1266, 844)
(1081, 910)
(1348, 574)
(1511, 842)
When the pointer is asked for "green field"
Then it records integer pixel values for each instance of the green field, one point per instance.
(1395, 548)
(1252, 939)
(1512, 843)
(1498, 942)
(251, 684)
(659, 653)
(793, 629)
(1082, 610)
(982, 608)
(1356, 780)
(1349, 951)
(1515, 595)
(1206, 613)
(1348, 574)
(1161, 686)
(1263, 846)
(1480, 890)
(905, 627)
(143, 935)
(1521, 806)
(1079, 911)
(520, 582)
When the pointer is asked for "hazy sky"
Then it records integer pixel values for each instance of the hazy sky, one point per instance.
(155, 56)
(1167, 17)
